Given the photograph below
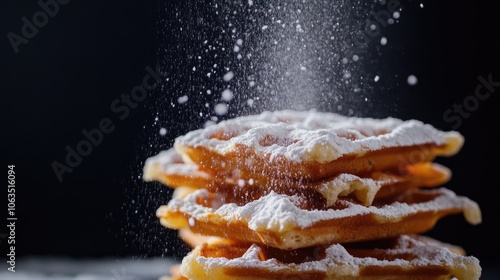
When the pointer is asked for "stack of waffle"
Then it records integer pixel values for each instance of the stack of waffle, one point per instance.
(313, 195)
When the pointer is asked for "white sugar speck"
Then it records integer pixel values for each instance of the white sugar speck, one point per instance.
(376, 79)
(163, 131)
(396, 15)
(250, 102)
(264, 27)
(191, 221)
(421, 5)
(383, 41)
(228, 76)
(412, 80)
(241, 183)
(227, 95)
(221, 109)
(182, 99)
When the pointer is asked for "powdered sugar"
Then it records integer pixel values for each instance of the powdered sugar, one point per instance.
(318, 136)
(279, 213)
(337, 261)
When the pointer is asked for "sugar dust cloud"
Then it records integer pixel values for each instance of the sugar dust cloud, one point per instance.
(229, 58)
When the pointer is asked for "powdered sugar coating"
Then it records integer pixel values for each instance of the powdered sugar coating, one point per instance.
(338, 262)
(318, 136)
(169, 162)
(279, 212)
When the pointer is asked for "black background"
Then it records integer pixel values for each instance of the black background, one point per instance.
(65, 78)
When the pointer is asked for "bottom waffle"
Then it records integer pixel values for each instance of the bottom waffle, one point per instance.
(405, 257)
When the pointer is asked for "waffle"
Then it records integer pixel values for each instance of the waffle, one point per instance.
(312, 195)
(169, 169)
(282, 222)
(402, 257)
(311, 145)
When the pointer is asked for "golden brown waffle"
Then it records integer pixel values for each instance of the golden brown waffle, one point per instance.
(310, 145)
(405, 257)
(168, 168)
(281, 221)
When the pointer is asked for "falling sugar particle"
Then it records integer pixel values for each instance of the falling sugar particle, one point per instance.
(228, 76)
(221, 109)
(182, 99)
(163, 131)
(250, 102)
(412, 80)
(396, 15)
(421, 5)
(376, 79)
(191, 221)
(227, 95)
(264, 27)
(383, 41)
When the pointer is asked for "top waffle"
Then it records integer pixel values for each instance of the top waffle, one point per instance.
(311, 145)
